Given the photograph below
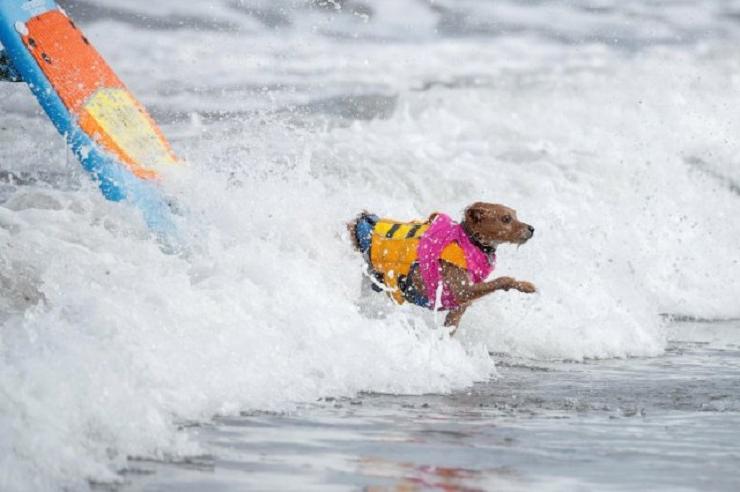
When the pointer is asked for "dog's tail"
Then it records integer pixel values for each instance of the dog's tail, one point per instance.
(361, 230)
(352, 229)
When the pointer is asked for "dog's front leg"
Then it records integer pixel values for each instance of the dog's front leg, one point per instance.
(465, 292)
(471, 292)
(453, 317)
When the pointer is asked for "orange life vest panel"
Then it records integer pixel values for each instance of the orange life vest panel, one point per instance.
(393, 252)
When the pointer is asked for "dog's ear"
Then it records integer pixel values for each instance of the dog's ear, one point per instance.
(474, 214)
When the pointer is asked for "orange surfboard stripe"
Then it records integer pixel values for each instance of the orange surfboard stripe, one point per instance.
(72, 65)
(78, 72)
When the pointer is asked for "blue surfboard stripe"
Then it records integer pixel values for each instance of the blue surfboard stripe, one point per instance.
(116, 182)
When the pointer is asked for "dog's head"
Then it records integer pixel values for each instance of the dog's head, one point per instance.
(490, 224)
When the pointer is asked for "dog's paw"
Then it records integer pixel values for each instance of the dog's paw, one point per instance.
(506, 283)
(526, 287)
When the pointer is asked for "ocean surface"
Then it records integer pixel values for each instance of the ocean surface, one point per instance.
(254, 361)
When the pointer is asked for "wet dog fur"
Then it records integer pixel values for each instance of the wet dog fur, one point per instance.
(488, 225)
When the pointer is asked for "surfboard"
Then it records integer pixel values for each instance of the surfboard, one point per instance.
(110, 131)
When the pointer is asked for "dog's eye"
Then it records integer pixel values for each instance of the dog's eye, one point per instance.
(506, 219)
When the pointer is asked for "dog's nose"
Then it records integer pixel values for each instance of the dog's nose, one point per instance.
(531, 229)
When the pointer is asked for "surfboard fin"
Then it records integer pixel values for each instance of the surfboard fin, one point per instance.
(7, 72)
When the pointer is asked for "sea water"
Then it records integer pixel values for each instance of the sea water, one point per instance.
(610, 126)
(660, 423)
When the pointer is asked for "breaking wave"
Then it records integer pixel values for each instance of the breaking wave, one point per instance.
(623, 159)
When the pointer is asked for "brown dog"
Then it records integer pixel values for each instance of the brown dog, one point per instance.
(391, 250)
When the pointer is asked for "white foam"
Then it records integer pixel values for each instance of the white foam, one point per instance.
(106, 343)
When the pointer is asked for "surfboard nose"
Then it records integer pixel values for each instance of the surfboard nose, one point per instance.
(110, 132)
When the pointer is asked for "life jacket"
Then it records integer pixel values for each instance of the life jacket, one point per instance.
(393, 250)
(441, 235)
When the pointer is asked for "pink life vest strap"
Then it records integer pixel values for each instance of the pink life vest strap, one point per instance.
(441, 234)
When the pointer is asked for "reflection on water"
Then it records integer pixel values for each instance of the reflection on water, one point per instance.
(409, 476)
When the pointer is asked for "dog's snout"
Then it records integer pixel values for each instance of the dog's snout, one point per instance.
(531, 229)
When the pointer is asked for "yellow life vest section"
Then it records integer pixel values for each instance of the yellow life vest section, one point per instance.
(393, 252)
